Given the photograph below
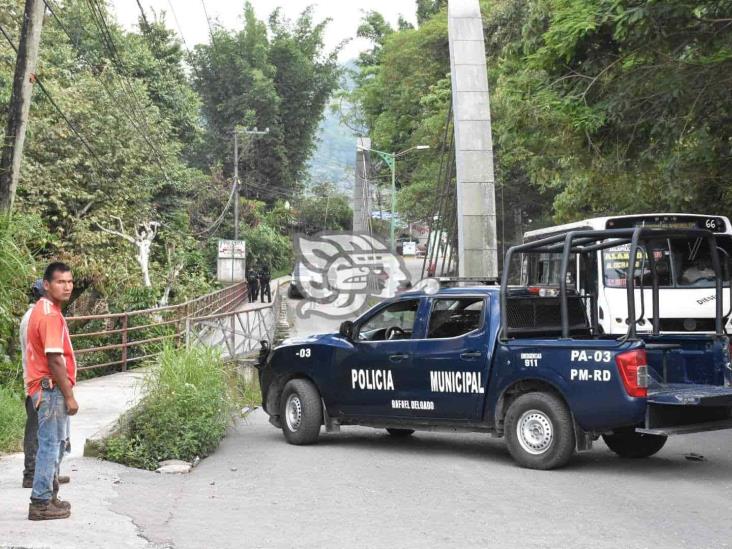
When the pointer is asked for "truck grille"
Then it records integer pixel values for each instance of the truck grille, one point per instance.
(542, 314)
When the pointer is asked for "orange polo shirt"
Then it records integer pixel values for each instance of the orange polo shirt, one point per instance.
(47, 333)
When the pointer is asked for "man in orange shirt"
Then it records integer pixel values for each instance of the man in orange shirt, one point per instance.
(51, 376)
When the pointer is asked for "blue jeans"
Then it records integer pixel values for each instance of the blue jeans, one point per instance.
(52, 434)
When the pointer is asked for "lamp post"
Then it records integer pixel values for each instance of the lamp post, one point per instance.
(390, 160)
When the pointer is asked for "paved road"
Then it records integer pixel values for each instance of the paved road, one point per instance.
(361, 488)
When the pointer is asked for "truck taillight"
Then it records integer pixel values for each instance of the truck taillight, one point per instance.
(633, 368)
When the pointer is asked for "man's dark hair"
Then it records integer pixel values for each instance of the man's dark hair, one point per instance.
(55, 267)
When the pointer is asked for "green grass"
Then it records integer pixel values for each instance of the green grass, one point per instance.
(249, 392)
(191, 398)
(12, 420)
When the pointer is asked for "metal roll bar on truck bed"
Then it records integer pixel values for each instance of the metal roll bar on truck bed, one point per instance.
(588, 241)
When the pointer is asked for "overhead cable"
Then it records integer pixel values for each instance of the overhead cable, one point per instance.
(55, 105)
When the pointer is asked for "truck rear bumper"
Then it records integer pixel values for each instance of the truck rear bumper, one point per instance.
(688, 429)
(684, 409)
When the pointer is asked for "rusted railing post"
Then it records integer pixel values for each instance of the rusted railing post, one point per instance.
(124, 342)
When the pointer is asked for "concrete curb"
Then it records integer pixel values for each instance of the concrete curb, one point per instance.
(94, 445)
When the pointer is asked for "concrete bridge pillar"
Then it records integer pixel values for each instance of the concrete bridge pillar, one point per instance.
(476, 205)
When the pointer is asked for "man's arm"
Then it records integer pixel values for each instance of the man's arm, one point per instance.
(60, 378)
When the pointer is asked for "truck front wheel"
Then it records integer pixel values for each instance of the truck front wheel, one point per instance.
(629, 444)
(539, 431)
(301, 412)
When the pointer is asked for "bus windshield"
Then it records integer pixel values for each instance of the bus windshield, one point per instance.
(680, 263)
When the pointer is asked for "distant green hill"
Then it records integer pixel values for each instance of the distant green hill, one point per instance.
(333, 160)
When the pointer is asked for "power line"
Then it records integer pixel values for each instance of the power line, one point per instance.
(109, 92)
(135, 101)
(177, 25)
(55, 105)
(208, 22)
(215, 225)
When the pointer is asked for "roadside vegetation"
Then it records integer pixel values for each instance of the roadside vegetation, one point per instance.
(191, 397)
(12, 420)
(152, 142)
(599, 107)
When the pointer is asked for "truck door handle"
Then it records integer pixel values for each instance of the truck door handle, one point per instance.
(398, 357)
(470, 355)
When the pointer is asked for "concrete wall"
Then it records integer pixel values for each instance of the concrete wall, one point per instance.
(473, 142)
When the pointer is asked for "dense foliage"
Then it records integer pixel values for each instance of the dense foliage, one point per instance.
(273, 76)
(599, 107)
(190, 397)
(155, 143)
(144, 134)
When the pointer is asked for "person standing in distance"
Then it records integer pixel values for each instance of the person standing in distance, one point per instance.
(252, 285)
(264, 279)
(51, 378)
(30, 438)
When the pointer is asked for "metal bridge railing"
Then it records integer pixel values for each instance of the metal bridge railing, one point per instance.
(238, 333)
(114, 341)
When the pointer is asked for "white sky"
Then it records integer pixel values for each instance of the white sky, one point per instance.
(345, 15)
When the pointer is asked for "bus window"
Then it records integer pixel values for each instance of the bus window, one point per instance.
(615, 265)
(693, 262)
(679, 263)
(545, 269)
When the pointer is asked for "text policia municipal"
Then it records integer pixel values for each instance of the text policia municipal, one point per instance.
(440, 381)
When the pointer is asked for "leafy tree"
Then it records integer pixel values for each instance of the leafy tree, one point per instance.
(324, 209)
(598, 107)
(281, 82)
(619, 106)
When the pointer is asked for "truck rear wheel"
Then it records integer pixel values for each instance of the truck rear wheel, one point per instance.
(301, 412)
(399, 433)
(539, 431)
(629, 444)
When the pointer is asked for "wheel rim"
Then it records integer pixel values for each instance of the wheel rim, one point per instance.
(293, 412)
(535, 432)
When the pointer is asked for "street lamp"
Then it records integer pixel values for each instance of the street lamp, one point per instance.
(390, 160)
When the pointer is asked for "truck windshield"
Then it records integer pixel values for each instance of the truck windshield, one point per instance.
(680, 263)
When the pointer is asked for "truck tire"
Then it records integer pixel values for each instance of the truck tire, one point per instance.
(539, 431)
(629, 444)
(399, 433)
(300, 412)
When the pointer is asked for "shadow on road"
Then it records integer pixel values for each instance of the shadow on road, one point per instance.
(484, 450)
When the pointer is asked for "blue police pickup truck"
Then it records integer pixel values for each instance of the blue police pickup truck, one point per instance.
(528, 364)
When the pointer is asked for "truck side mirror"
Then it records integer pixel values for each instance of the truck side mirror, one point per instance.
(346, 329)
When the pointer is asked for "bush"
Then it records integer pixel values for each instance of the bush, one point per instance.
(190, 399)
(265, 246)
(12, 420)
(17, 236)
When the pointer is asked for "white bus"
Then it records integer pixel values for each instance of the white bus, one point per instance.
(686, 276)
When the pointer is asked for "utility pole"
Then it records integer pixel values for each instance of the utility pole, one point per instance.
(236, 185)
(25, 67)
(246, 131)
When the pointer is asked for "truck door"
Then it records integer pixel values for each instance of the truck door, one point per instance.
(451, 362)
(373, 373)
